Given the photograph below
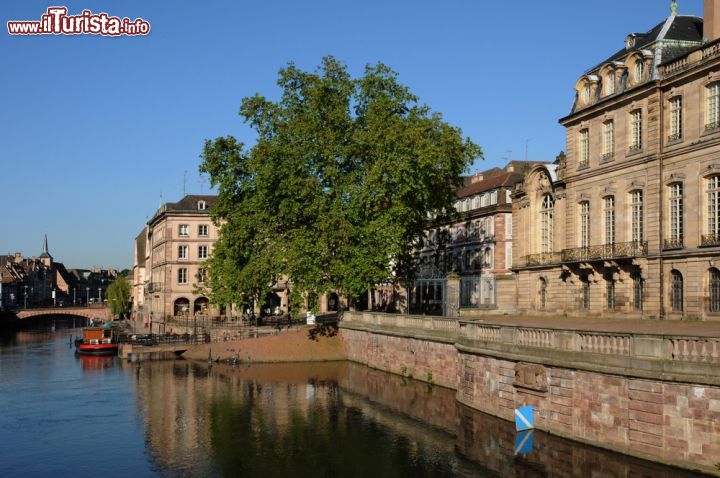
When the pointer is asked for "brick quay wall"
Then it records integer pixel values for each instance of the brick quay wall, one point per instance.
(652, 396)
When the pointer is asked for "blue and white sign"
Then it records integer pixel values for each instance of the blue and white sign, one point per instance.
(524, 442)
(524, 419)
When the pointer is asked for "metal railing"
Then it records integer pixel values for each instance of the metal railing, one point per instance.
(673, 243)
(617, 250)
(151, 340)
(710, 240)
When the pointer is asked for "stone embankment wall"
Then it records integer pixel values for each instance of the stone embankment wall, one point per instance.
(656, 397)
(430, 355)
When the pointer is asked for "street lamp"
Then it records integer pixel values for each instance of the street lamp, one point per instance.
(87, 299)
(26, 297)
(73, 295)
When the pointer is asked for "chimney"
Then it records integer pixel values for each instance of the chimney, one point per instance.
(711, 22)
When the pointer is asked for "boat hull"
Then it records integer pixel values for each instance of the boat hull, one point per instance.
(97, 349)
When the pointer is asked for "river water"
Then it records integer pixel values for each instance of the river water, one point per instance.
(64, 415)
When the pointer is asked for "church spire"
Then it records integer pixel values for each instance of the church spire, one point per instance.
(45, 246)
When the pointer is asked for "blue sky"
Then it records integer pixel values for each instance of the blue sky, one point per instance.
(93, 130)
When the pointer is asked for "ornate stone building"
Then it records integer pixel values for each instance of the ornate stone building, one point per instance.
(464, 264)
(629, 223)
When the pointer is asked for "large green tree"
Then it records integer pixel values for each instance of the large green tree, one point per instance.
(118, 296)
(337, 189)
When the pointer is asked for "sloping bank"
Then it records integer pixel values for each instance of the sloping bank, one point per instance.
(291, 346)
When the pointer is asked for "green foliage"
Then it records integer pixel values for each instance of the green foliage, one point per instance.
(337, 189)
(118, 296)
(429, 377)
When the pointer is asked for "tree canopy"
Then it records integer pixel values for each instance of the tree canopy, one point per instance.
(337, 189)
(118, 296)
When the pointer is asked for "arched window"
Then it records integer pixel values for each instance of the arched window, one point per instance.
(547, 214)
(714, 305)
(676, 291)
(543, 293)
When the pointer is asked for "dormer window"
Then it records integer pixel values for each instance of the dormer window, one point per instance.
(639, 71)
(202, 205)
(586, 93)
(610, 84)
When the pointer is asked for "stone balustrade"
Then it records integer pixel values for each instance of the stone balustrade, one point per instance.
(666, 357)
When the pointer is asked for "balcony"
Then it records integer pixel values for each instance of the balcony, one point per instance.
(710, 240)
(673, 244)
(617, 250)
(542, 259)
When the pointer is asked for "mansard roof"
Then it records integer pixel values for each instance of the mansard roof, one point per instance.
(680, 28)
(674, 37)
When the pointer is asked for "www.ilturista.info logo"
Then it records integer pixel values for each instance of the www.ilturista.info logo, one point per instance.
(57, 22)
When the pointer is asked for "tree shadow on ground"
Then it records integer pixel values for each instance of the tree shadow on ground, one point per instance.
(323, 330)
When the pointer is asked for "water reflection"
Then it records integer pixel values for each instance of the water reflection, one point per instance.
(180, 418)
(341, 419)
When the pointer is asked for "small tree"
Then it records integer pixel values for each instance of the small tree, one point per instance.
(118, 294)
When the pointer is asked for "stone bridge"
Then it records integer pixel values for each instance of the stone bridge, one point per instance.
(86, 312)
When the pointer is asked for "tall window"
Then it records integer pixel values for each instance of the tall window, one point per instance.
(184, 230)
(676, 122)
(638, 293)
(584, 224)
(586, 94)
(585, 299)
(610, 220)
(182, 252)
(202, 230)
(713, 106)
(608, 139)
(712, 227)
(202, 252)
(714, 305)
(636, 130)
(636, 214)
(610, 293)
(639, 70)
(543, 293)
(584, 147)
(182, 275)
(676, 215)
(546, 224)
(676, 291)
